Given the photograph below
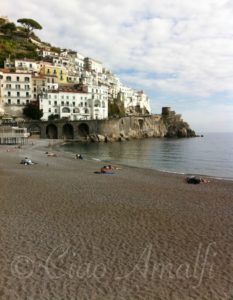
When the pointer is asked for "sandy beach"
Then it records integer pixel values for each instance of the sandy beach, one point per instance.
(67, 233)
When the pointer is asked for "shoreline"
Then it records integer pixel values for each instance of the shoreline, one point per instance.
(217, 177)
(45, 144)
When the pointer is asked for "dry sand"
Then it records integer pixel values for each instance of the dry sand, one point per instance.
(67, 233)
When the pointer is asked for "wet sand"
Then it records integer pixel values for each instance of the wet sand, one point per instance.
(67, 233)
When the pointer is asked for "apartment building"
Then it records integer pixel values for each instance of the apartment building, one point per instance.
(16, 90)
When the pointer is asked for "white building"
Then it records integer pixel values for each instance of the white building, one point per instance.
(91, 64)
(79, 63)
(73, 105)
(15, 91)
(134, 101)
(27, 65)
(47, 53)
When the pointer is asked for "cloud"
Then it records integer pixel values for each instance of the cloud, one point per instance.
(179, 48)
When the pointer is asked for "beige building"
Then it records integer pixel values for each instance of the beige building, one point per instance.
(15, 90)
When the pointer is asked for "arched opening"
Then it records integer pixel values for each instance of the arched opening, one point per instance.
(66, 110)
(34, 130)
(68, 131)
(141, 123)
(83, 130)
(76, 110)
(97, 103)
(51, 131)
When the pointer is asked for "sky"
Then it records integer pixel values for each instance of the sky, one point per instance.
(180, 52)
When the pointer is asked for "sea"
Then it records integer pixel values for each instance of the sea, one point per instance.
(210, 155)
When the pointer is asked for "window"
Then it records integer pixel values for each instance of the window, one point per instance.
(30, 66)
(62, 97)
(34, 96)
(27, 101)
(8, 86)
(50, 110)
(8, 78)
(55, 110)
(17, 78)
(55, 102)
(9, 101)
(18, 101)
(34, 89)
(73, 103)
(67, 97)
(62, 103)
(54, 72)
(49, 102)
(67, 103)
(9, 94)
(48, 71)
(27, 94)
(26, 79)
(18, 94)
(74, 97)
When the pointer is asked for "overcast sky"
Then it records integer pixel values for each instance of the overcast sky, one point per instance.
(180, 52)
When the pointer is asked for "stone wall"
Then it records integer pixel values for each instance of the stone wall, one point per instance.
(116, 129)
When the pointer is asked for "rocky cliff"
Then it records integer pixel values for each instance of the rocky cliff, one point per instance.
(168, 124)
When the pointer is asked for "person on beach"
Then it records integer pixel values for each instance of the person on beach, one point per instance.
(196, 180)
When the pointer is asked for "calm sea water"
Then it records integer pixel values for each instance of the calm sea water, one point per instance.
(211, 155)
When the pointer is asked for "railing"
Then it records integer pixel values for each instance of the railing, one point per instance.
(16, 89)
(18, 81)
(14, 135)
(18, 97)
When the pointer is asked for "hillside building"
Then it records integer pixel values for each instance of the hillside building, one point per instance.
(15, 91)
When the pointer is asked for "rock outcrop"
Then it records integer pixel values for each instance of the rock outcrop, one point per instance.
(175, 125)
(168, 124)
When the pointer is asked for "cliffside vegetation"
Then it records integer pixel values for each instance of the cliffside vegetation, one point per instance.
(14, 40)
(32, 111)
(116, 108)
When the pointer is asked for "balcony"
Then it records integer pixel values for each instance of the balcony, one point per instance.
(15, 89)
(18, 97)
(17, 81)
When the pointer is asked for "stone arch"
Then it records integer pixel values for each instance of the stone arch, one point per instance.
(51, 131)
(65, 110)
(34, 130)
(68, 131)
(83, 130)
